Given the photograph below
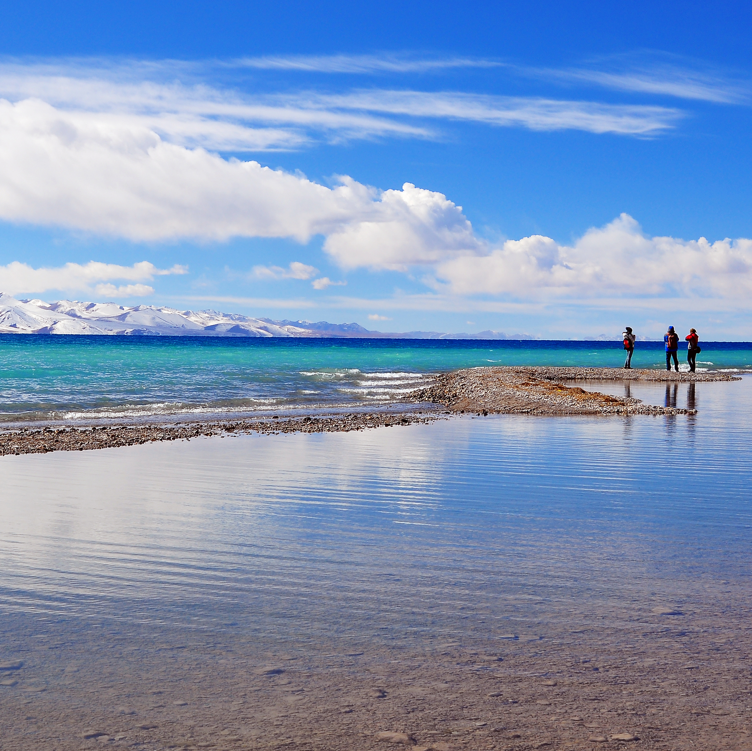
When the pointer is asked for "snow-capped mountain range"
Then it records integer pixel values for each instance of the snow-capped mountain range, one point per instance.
(72, 317)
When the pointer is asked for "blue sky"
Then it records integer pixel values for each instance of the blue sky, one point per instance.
(527, 168)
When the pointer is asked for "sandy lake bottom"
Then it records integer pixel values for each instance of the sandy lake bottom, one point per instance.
(494, 583)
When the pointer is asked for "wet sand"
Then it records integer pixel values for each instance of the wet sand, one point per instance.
(649, 678)
(495, 390)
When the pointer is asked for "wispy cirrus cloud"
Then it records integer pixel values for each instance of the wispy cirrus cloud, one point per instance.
(643, 72)
(668, 81)
(363, 64)
(653, 73)
(534, 113)
(189, 111)
(183, 104)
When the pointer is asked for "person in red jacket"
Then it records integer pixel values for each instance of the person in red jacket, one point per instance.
(629, 340)
(692, 348)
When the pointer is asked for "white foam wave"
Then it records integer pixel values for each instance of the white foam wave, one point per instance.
(167, 409)
(375, 390)
(340, 373)
(410, 376)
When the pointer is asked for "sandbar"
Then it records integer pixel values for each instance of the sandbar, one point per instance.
(545, 391)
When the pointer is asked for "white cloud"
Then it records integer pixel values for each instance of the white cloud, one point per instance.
(177, 102)
(654, 72)
(377, 317)
(384, 63)
(648, 73)
(124, 290)
(135, 164)
(669, 81)
(296, 270)
(534, 113)
(19, 277)
(618, 259)
(405, 227)
(57, 170)
(325, 282)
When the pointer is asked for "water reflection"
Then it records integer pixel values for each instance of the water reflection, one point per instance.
(265, 584)
(672, 389)
(691, 396)
(273, 531)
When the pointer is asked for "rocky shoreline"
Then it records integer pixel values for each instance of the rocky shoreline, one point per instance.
(543, 391)
(481, 391)
(47, 439)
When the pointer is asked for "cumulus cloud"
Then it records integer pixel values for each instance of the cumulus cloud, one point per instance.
(325, 282)
(57, 169)
(377, 317)
(19, 277)
(406, 227)
(296, 270)
(618, 259)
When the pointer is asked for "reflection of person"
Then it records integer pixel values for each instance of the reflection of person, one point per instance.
(691, 397)
(672, 391)
(692, 348)
(629, 340)
(671, 340)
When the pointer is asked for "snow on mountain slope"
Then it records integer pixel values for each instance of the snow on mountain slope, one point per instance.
(73, 317)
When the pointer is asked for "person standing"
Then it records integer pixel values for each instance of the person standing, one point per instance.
(629, 340)
(692, 348)
(671, 340)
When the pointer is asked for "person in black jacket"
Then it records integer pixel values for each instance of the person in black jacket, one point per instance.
(693, 348)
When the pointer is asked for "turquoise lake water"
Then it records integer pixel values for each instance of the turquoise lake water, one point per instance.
(81, 377)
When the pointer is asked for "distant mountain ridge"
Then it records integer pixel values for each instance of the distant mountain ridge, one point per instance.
(73, 317)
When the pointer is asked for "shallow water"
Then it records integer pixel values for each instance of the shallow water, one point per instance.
(140, 568)
(74, 378)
